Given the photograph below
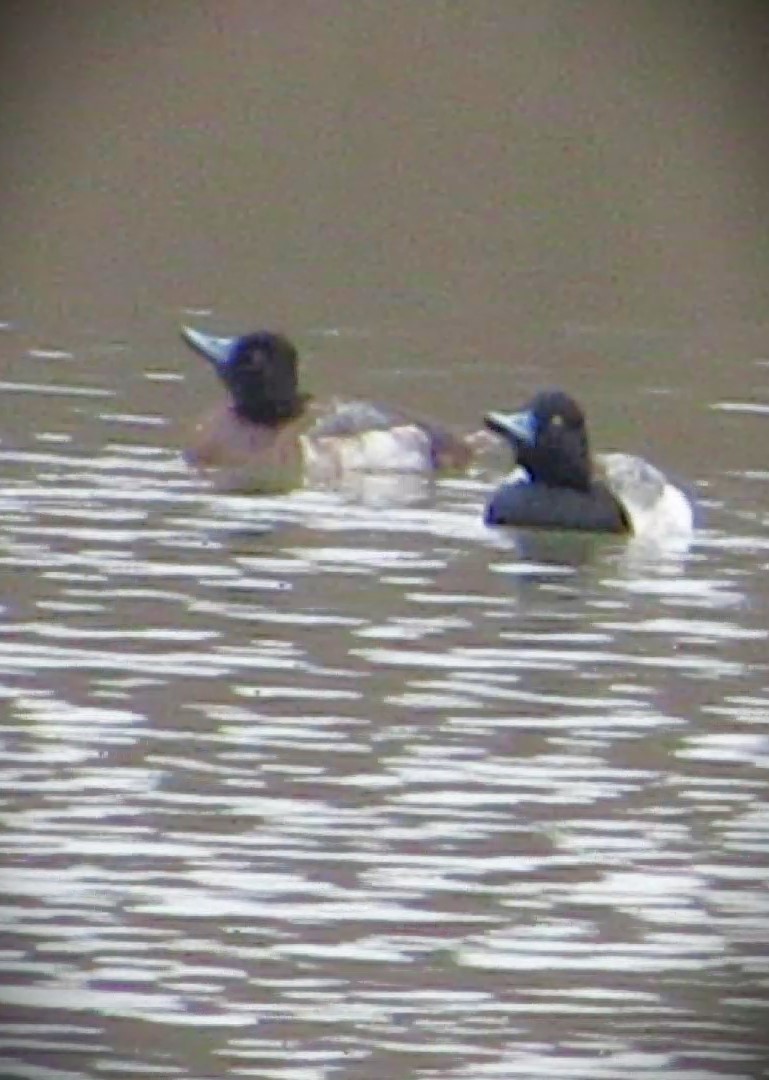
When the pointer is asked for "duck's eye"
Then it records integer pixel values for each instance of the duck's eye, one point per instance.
(556, 421)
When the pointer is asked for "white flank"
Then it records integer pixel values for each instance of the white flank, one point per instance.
(656, 508)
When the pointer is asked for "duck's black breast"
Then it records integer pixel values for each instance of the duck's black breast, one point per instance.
(539, 506)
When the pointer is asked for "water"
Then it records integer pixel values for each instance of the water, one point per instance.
(317, 786)
(298, 787)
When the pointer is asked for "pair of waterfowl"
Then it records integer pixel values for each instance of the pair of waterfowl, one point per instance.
(265, 438)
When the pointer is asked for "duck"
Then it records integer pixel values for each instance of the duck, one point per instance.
(268, 436)
(558, 484)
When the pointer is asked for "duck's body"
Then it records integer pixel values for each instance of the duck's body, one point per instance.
(651, 503)
(268, 438)
(558, 485)
(362, 437)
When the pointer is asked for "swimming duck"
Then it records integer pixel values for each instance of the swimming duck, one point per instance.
(268, 438)
(558, 485)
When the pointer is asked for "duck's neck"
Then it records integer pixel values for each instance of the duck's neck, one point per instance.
(560, 472)
(561, 461)
(268, 414)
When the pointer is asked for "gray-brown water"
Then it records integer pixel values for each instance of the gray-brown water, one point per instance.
(319, 786)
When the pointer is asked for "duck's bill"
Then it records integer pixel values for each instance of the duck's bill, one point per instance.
(517, 427)
(215, 349)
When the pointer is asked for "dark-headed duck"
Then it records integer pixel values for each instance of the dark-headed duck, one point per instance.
(558, 485)
(265, 438)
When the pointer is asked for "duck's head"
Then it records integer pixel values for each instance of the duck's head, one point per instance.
(259, 370)
(549, 439)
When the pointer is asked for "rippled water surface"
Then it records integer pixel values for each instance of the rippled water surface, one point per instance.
(304, 787)
(344, 784)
